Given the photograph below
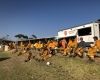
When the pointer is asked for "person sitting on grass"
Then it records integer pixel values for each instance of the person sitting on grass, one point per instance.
(80, 48)
(94, 48)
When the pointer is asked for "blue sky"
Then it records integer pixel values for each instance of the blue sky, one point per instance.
(45, 18)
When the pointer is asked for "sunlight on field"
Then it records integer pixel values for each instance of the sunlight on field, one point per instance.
(61, 68)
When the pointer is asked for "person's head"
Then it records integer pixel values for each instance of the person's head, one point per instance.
(95, 38)
(39, 42)
(81, 39)
(63, 39)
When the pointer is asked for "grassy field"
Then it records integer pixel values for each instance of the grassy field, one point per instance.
(13, 67)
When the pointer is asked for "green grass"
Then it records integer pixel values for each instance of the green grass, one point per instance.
(61, 68)
(4, 54)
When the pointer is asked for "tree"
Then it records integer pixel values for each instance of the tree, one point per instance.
(26, 37)
(21, 36)
(6, 37)
(34, 36)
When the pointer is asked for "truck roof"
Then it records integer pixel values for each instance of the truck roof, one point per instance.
(97, 21)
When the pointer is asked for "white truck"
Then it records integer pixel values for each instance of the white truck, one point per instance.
(87, 31)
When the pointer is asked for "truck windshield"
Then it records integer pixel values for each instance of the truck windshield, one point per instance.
(84, 31)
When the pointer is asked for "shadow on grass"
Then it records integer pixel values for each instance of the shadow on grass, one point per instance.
(5, 58)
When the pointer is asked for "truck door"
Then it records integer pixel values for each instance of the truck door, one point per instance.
(96, 28)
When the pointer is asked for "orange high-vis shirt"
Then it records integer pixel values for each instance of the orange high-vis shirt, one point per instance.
(21, 45)
(36, 45)
(91, 51)
(74, 43)
(97, 44)
(70, 43)
(40, 45)
(50, 45)
(32, 45)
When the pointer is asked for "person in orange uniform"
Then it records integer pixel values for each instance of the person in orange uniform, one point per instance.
(71, 47)
(40, 45)
(35, 45)
(50, 47)
(94, 48)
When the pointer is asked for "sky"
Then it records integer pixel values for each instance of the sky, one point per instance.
(44, 18)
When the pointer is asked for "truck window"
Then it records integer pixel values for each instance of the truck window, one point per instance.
(84, 31)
